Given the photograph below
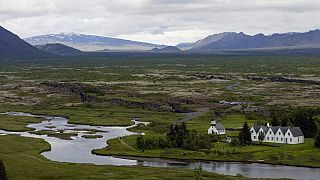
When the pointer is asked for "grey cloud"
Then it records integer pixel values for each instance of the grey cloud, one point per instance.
(158, 21)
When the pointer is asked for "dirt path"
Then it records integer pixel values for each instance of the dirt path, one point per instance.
(33, 157)
(190, 116)
(125, 144)
(232, 86)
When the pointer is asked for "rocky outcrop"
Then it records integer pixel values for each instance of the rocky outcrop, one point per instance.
(135, 104)
(80, 90)
(209, 77)
(284, 79)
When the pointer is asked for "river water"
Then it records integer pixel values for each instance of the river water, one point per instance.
(78, 150)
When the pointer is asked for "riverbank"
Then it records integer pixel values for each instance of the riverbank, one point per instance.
(22, 159)
(290, 155)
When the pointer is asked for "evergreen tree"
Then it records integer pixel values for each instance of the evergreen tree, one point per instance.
(317, 141)
(245, 135)
(3, 175)
(275, 118)
(261, 137)
(141, 142)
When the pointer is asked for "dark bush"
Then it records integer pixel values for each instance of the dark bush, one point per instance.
(3, 175)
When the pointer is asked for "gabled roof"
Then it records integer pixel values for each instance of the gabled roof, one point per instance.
(265, 128)
(256, 128)
(274, 129)
(219, 126)
(284, 129)
(296, 131)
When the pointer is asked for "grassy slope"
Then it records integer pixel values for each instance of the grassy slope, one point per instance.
(23, 161)
(17, 123)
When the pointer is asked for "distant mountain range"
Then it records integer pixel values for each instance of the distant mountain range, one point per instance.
(54, 45)
(167, 49)
(59, 49)
(241, 41)
(11, 46)
(85, 42)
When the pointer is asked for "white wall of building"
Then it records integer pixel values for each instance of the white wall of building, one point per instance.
(213, 130)
(269, 136)
(253, 135)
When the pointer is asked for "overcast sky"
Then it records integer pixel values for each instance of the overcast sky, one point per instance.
(158, 21)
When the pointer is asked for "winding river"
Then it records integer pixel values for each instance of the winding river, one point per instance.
(78, 150)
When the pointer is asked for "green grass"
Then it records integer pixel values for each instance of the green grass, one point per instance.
(236, 121)
(301, 154)
(22, 160)
(100, 115)
(202, 123)
(91, 136)
(17, 123)
(65, 136)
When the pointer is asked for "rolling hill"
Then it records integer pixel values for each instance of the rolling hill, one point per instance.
(241, 41)
(167, 49)
(59, 49)
(11, 46)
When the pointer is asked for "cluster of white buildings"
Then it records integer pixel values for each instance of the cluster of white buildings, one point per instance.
(277, 134)
(271, 134)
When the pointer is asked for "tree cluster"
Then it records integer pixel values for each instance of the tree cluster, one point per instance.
(178, 136)
(300, 117)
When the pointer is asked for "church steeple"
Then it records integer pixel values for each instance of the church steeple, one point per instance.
(213, 120)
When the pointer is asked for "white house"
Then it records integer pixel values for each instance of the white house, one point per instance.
(216, 128)
(277, 134)
(294, 136)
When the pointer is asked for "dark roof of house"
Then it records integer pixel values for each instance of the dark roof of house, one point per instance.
(256, 128)
(284, 129)
(265, 128)
(219, 126)
(274, 129)
(296, 131)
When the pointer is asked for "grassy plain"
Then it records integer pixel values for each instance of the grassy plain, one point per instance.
(23, 161)
(16, 123)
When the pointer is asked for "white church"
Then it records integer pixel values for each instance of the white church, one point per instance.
(216, 128)
(277, 134)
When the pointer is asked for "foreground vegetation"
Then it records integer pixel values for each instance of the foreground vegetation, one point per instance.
(22, 160)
